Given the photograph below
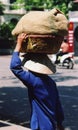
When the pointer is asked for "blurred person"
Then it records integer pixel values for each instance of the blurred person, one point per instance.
(65, 46)
(64, 49)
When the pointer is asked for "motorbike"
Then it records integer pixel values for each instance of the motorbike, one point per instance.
(63, 59)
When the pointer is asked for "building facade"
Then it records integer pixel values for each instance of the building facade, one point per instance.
(11, 14)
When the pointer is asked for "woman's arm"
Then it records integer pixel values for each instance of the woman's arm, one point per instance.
(16, 65)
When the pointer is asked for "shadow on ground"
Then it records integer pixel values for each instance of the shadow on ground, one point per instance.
(14, 105)
(69, 99)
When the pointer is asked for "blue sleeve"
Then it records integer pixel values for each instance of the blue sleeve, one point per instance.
(16, 67)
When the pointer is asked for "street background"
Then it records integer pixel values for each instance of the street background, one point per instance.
(14, 104)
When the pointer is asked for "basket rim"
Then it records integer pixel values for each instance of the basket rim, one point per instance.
(43, 36)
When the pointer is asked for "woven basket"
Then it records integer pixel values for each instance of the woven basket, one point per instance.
(48, 44)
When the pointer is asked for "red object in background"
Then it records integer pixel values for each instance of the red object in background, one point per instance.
(71, 36)
(75, 1)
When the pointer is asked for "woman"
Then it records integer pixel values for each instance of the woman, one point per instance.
(46, 110)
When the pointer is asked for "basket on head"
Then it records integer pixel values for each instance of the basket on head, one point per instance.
(49, 44)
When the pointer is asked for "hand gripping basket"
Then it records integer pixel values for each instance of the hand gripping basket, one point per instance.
(49, 44)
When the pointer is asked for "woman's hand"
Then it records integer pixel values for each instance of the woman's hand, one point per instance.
(20, 39)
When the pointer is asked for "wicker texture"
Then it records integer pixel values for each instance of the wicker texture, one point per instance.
(48, 44)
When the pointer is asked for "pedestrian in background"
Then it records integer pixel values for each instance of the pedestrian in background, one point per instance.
(46, 109)
(65, 46)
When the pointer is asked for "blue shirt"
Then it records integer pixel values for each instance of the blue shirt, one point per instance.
(43, 94)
